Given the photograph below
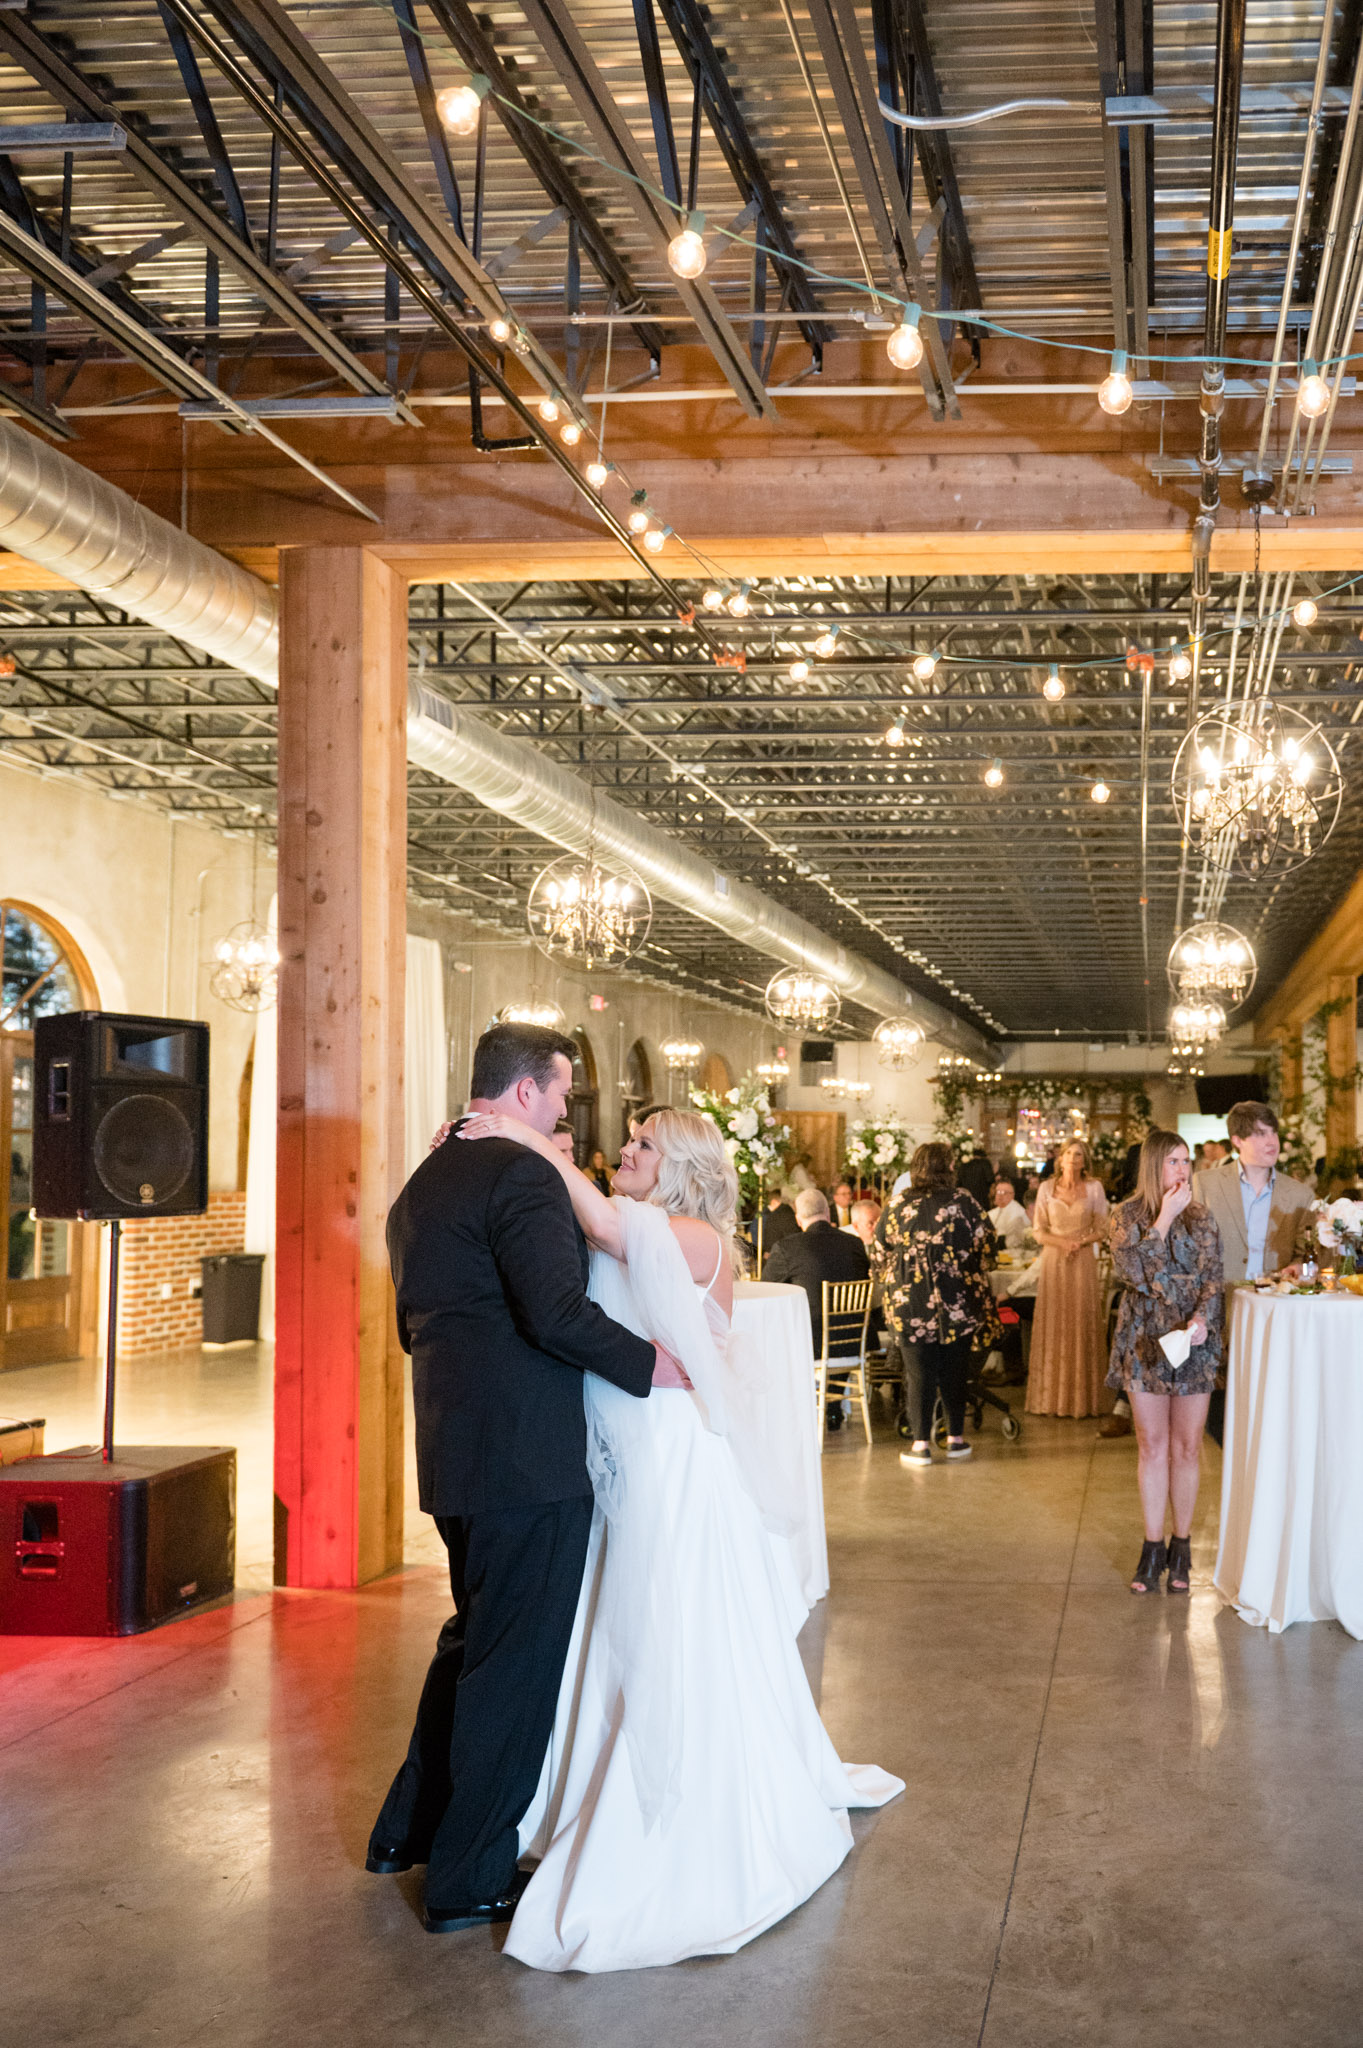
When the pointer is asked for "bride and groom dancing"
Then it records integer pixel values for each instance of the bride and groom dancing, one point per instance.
(618, 1699)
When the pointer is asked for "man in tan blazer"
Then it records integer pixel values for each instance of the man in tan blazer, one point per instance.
(1262, 1214)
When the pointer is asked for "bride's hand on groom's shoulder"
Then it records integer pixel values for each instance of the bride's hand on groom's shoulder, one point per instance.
(492, 1125)
(438, 1140)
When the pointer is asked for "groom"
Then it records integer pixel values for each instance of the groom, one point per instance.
(491, 1274)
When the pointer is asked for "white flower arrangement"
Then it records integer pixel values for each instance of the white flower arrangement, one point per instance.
(1340, 1226)
(754, 1139)
(877, 1147)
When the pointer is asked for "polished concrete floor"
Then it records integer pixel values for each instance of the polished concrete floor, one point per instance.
(1128, 1822)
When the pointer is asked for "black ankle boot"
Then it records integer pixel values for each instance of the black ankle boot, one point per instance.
(1150, 1570)
(1180, 1563)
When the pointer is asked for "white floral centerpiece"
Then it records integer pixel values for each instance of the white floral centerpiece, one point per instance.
(1339, 1228)
(755, 1140)
(878, 1148)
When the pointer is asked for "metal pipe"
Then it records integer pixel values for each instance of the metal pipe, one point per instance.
(518, 781)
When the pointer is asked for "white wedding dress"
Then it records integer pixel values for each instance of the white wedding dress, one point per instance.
(691, 1796)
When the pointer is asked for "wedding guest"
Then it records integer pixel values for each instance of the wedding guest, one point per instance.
(1166, 1249)
(933, 1250)
(840, 1205)
(976, 1176)
(801, 1175)
(600, 1172)
(1263, 1215)
(562, 1138)
(1008, 1217)
(815, 1253)
(778, 1222)
(1029, 1194)
(1065, 1371)
(863, 1219)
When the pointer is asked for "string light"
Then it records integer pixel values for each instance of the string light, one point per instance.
(993, 774)
(686, 251)
(905, 345)
(1100, 791)
(894, 735)
(459, 106)
(738, 606)
(1305, 612)
(1053, 689)
(500, 330)
(713, 600)
(799, 671)
(1313, 393)
(597, 473)
(638, 520)
(1115, 393)
(548, 411)
(827, 641)
(655, 539)
(925, 666)
(1180, 665)
(570, 433)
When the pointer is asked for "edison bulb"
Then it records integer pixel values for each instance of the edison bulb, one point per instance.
(1100, 791)
(1305, 611)
(500, 330)
(1180, 665)
(713, 600)
(925, 667)
(738, 604)
(905, 346)
(686, 253)
(570, 433)
(654, 539)
(894, 736)
(1115, 393)
(458, 107)
(826, 643)
(548, 411)
(1053, 689)
(799, 671)
(1313, 395)
(597, 472)
(638, 520)
(993, 774)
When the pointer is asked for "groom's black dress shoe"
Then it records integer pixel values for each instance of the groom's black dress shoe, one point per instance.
(386, 1862)
(485, 1913)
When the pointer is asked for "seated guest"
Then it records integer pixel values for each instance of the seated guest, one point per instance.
(778, 1221)
(1008, 1216)
(1263, 1215)
(1030, 1192)
(599, 1171)
(840, 1204)
(864, 1218)
(817, 1252)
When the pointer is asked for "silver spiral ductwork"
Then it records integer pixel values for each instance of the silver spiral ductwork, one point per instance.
(55, 513)
(514, 778)
(60, 515)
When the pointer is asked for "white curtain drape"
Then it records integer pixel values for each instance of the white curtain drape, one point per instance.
(260, 1152)
(425, 1054)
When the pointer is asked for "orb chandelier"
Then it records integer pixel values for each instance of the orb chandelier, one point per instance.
(246, 973)
(681, 1054)
(802, 1000)
(1260, 790)
(834, 1087)
(588, 915)
(548, 1016)
(1184, 1065)
(1195, 1026)
(858, 1090)
(774, 1071)
(898, 1043)
(1212, 962)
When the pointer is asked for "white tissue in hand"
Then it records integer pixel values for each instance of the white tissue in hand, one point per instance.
(1176, 1347)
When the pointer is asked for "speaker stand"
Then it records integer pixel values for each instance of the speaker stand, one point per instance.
(111, 1341)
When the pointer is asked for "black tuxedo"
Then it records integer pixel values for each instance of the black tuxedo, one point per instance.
(809, 1257)
(491, 1274)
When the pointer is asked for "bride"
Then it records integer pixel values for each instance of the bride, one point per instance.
(691, 1796)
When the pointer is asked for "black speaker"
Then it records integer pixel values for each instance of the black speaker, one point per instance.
(1219, 1093)
(120, 1116)
(95, 1549)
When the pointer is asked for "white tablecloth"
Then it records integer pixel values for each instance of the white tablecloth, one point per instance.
(1292, 1474)
(775, 1322)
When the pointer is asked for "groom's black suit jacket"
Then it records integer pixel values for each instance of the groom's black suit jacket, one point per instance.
(491, 1274)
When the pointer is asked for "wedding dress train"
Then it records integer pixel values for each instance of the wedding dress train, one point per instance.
(691, 1796)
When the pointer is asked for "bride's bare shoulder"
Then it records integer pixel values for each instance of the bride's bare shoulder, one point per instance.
(699, 1243)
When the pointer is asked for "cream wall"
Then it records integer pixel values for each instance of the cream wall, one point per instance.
(144, 897)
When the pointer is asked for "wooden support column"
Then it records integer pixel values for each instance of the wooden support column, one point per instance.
(342, 940)
(1341, 1062)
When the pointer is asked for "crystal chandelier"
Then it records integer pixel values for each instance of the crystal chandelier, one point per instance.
(681, 1053)
(246, 974)
(587, 915)
(1259, 790)
(548, 1016)
(834, 1087)
(774, 1071)
(1195, 1026)
(802, 1000)
(858, 1090)
(898, 1043)
(1212, 962)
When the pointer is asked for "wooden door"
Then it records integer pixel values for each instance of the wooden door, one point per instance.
(40, 1278)
(819, 1132)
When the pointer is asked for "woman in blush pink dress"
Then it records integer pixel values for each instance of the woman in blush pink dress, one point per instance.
(1067, 1343)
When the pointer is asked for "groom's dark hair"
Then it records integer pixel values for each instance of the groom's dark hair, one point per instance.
(509, 1053)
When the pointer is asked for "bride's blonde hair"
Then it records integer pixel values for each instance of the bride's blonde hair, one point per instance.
(695, 1174)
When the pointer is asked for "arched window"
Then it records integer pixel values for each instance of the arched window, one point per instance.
(638, 1089)
(582, 1102)
(42, 973)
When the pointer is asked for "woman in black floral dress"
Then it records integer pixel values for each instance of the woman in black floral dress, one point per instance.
(1166, 1249)
(932, 1248)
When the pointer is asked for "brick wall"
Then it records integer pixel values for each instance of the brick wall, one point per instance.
(165, 1252)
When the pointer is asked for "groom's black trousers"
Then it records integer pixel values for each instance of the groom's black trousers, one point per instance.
(487, 1707)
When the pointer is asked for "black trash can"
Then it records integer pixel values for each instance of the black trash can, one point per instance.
(231, 1297)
